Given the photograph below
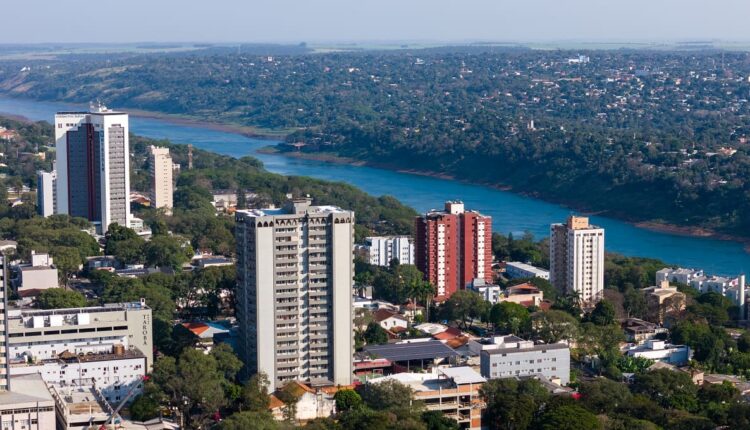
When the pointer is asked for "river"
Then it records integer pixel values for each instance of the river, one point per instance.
(511, 213)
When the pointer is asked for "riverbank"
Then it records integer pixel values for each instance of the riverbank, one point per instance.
(656, 226)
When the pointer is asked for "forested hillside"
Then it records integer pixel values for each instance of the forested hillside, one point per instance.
(641, 135)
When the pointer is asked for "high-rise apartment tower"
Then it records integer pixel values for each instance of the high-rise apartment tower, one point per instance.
(453, 247)
(294, 299)
(577, 259)
(93, 166)
(160, 168)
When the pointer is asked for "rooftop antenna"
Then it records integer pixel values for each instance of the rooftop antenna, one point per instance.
(190, 156)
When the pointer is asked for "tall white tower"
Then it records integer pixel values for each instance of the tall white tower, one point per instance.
(160, 168)
(577, 259)
(93, 166)
(294, 298)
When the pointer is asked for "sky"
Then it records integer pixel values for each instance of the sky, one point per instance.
(321, 21)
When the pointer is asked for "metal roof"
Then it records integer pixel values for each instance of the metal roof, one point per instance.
(427, 350)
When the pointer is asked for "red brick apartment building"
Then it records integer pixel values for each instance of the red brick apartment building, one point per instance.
(453, 247)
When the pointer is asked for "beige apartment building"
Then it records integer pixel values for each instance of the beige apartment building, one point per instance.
(160, 168)
(577, 259)
(294, 300)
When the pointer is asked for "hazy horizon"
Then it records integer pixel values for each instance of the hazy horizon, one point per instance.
(384, 21)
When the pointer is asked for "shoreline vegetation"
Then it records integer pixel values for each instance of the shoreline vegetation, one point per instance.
(652, 225)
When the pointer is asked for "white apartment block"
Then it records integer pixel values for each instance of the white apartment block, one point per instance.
(160, 168)
(516, 269)
(577, 259)
(294, 300)
(511, 356)
(381, 250)
(680, 275)
(93, 166)
(46, 194)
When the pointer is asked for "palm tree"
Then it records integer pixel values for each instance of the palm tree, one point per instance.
(426, 291)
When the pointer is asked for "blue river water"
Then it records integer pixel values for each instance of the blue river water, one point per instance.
(511, 213)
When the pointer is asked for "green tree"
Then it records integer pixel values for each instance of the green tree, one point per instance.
(389, 395)
(255, 397)
(250, 420)
(67, 260)
(553, 326)
(347, 400)
(667, 388)
(375, 334)
(58, 298)
(435, 420)
(604, 396)
(510, 318)
(603, 313)
(464, 307)
(144, 408)
(124, 244)
(167, 251)
(569, 417)
(512, 404)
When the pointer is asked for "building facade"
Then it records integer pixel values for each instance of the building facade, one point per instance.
(36, 335)
(93, 179)
(453, 247)
(294, 302)
(516, 269)
(4, 362)
(577, 259)
(160, 168)
(454, 391)
(46, 194)
(381, 250)
(508, 357)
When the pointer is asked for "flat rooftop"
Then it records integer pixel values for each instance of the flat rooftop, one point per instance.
(310, 210)
(539, 347)
(25, 389)
(109, 307)
(426, 350)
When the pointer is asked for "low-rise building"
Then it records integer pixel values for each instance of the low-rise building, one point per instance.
(490, 292)
(659, 350)
(381, 250)
(207, 333)
(390, 320)
(29, 405)
(516, 269)
(679, 275)
(454, 391)
(311, 403)
(524, 294)
(36, 276)
(638, 331)
(664, 300)
(510, 356)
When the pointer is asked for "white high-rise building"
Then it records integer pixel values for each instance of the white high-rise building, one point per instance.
(382, 249)
(160, 168)
(577, 259)
(93, 165)
(294, 299)
(46, 194)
